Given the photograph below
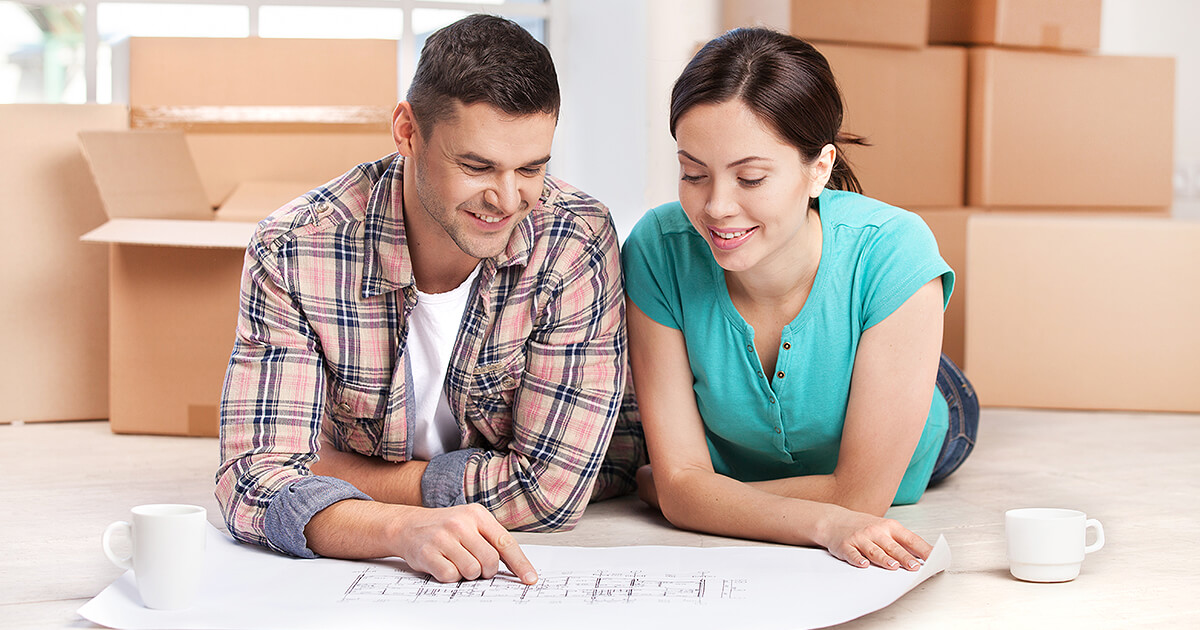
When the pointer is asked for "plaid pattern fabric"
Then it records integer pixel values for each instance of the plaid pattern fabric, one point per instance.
(535, 379)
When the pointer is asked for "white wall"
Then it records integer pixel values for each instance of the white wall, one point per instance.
(1167, 28)
(678, 29)
(616, 65)
(600, 143)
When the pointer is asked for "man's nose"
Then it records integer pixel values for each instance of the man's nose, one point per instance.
(504, 194)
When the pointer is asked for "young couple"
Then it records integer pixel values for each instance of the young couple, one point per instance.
(432, 349)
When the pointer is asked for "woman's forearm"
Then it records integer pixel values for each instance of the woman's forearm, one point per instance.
(825, 489)
(709, 502)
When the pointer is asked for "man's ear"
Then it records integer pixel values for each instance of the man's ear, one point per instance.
(404, 128)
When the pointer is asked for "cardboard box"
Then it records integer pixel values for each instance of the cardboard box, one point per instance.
(174, 282)
(1059, 24)
(267, 109)
(949, 227)
(175, 270)
(266, 120)
(911, 106)
(1069, 130)
(903, 23)
(1084, 312)
(55, 318)
(254, 71)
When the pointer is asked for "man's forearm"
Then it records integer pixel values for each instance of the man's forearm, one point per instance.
(355, 529)
(388, 482)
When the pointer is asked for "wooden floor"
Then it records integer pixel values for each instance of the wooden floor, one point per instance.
(1139, 474)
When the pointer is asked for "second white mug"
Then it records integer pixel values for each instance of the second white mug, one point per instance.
(1048, 544)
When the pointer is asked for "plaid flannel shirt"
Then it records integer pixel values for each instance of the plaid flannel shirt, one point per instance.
(535, 378)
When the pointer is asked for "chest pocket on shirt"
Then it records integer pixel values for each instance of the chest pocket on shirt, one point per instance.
(493, 389)
(358, 417)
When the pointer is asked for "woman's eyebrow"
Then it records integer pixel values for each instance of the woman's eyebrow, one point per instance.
(745, 160)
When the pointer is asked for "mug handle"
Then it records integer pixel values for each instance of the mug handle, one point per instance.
(1093, 523)
(124, 563)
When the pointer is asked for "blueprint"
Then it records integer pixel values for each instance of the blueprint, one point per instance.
(595, 588)
(380, 585)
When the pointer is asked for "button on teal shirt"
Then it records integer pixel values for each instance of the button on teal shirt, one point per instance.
(873, 258)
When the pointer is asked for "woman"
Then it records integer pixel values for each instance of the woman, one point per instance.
(785, 331)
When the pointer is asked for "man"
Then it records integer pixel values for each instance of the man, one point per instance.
(431, 348)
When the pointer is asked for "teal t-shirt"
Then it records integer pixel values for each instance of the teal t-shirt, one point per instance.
(873, 258)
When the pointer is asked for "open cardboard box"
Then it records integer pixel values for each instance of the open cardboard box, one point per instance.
(175, 268)
(234, 124)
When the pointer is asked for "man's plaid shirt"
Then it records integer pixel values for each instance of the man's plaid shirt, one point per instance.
(535, 379)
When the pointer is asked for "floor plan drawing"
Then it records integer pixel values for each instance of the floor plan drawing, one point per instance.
(595, 588)
(378, 584)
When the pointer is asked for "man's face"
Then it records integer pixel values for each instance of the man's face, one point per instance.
(478, 174)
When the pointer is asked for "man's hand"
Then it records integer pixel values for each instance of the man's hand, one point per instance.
(464, 542)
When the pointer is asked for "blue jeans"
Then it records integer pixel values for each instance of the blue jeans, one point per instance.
(964, 419)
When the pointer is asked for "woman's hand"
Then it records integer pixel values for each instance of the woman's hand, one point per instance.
(863, 539)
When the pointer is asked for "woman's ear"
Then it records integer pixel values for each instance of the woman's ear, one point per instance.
(822, 169)
(404, 128)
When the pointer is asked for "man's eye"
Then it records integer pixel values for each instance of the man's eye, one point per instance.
(531, 172)
(473, 168)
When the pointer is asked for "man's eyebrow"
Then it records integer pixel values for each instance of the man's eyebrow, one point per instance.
(474, 157)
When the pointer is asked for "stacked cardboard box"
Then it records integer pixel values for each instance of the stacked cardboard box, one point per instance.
(55, 314)
(908, 99)
(1048, 127)
(240, 126)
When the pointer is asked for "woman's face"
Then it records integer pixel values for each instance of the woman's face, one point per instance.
(744, 189)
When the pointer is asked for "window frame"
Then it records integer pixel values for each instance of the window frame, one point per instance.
(551, 11)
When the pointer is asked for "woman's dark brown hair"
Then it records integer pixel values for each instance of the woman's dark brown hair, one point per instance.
(783, 80)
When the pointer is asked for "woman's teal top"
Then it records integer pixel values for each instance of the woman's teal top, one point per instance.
(873, 258)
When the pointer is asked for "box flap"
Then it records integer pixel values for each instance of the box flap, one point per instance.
(173, 232)
(253, 201)
(145, 174)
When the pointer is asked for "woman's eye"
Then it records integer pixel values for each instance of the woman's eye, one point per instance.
(750, 183)
(691, 178)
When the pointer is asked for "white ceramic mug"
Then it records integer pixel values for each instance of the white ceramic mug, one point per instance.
(1048, 544)
(168, 552)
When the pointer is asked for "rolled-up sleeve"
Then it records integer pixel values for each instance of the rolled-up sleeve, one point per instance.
(570, 392)
(271, 409)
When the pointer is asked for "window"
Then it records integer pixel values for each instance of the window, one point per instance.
(61, 52)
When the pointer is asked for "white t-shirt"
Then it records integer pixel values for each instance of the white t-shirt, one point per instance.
(432, 329)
